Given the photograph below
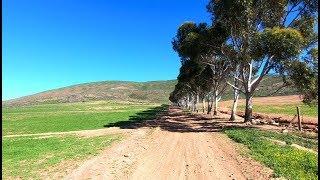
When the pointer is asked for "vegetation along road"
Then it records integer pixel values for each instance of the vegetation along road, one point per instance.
(130, 141)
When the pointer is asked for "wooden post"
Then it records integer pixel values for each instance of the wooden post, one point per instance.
(299, 119)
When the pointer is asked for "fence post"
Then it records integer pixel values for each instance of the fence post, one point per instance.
(299, 119)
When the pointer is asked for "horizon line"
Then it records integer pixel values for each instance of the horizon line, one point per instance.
(89, 82)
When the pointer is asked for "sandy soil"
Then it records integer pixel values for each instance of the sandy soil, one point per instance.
(292, 99)
(176, 146)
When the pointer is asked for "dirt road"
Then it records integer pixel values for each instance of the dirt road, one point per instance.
(177, 146)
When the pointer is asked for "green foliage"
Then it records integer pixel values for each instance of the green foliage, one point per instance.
(286, 161)
(26, 157)
(262, 34)
(269, 12)
(206, 80)
(305, 78)
(230, 11)
(282, 43)
(187, 40)
(197, 44)
(305, 26)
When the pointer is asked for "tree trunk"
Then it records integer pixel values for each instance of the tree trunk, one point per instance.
(197, 102)
(203, 105)
(209, 107)
(234, 105)
(248, 94)
(185, 103)
(248, 111)
(193, 103)
(215, 101)
(188, 101)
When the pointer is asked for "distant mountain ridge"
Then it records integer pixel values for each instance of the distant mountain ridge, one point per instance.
(150, 92)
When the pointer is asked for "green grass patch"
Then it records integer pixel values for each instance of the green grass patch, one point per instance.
(287, 109)
(25, 157)
(286, 161)
(69, 116)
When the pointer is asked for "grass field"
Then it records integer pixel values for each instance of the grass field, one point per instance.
(286, 161)
(28, 157)
(286, 109)
(68, 116)
(282, 105)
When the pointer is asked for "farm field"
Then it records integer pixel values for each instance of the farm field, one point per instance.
(280, 105)
(286, 109)
(39, 156)
(94, 139)
(67, 116)
(38, 139)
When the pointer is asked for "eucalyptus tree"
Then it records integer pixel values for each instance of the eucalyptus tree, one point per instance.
(305, 76)
(206, 82)
(179, 95)
(235, 75)
(186, 44)
(203, 44)
(188, 76)
(186, 41)
(220, 67)
(266, 36)
(212, 45)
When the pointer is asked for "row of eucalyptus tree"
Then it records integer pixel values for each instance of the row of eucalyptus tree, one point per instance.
(247, 40)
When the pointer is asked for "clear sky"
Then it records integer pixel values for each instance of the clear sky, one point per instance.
(56, 43)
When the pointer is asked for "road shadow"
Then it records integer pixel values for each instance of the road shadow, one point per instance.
(138, 118)
(173, 119)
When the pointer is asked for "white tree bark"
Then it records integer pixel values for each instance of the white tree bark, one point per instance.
(197, 101)
(235, 95)
(234, 105)
(215, 101)
(203, 105)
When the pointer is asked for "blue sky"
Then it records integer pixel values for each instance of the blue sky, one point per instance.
(56, 43)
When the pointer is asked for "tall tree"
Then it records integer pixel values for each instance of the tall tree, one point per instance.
(188, 76)
(186, 44)
(206, 83)
(263, 37)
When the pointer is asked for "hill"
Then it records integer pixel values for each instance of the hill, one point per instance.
(152, 91)
(267, 87)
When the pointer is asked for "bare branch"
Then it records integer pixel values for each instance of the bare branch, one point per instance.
(207, 63)
(263, 72)
(237, 78)
(235, 87)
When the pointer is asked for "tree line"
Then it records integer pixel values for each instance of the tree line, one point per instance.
(247, 40)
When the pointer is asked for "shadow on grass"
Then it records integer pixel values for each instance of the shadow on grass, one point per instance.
(173, 119)
(140, 117)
